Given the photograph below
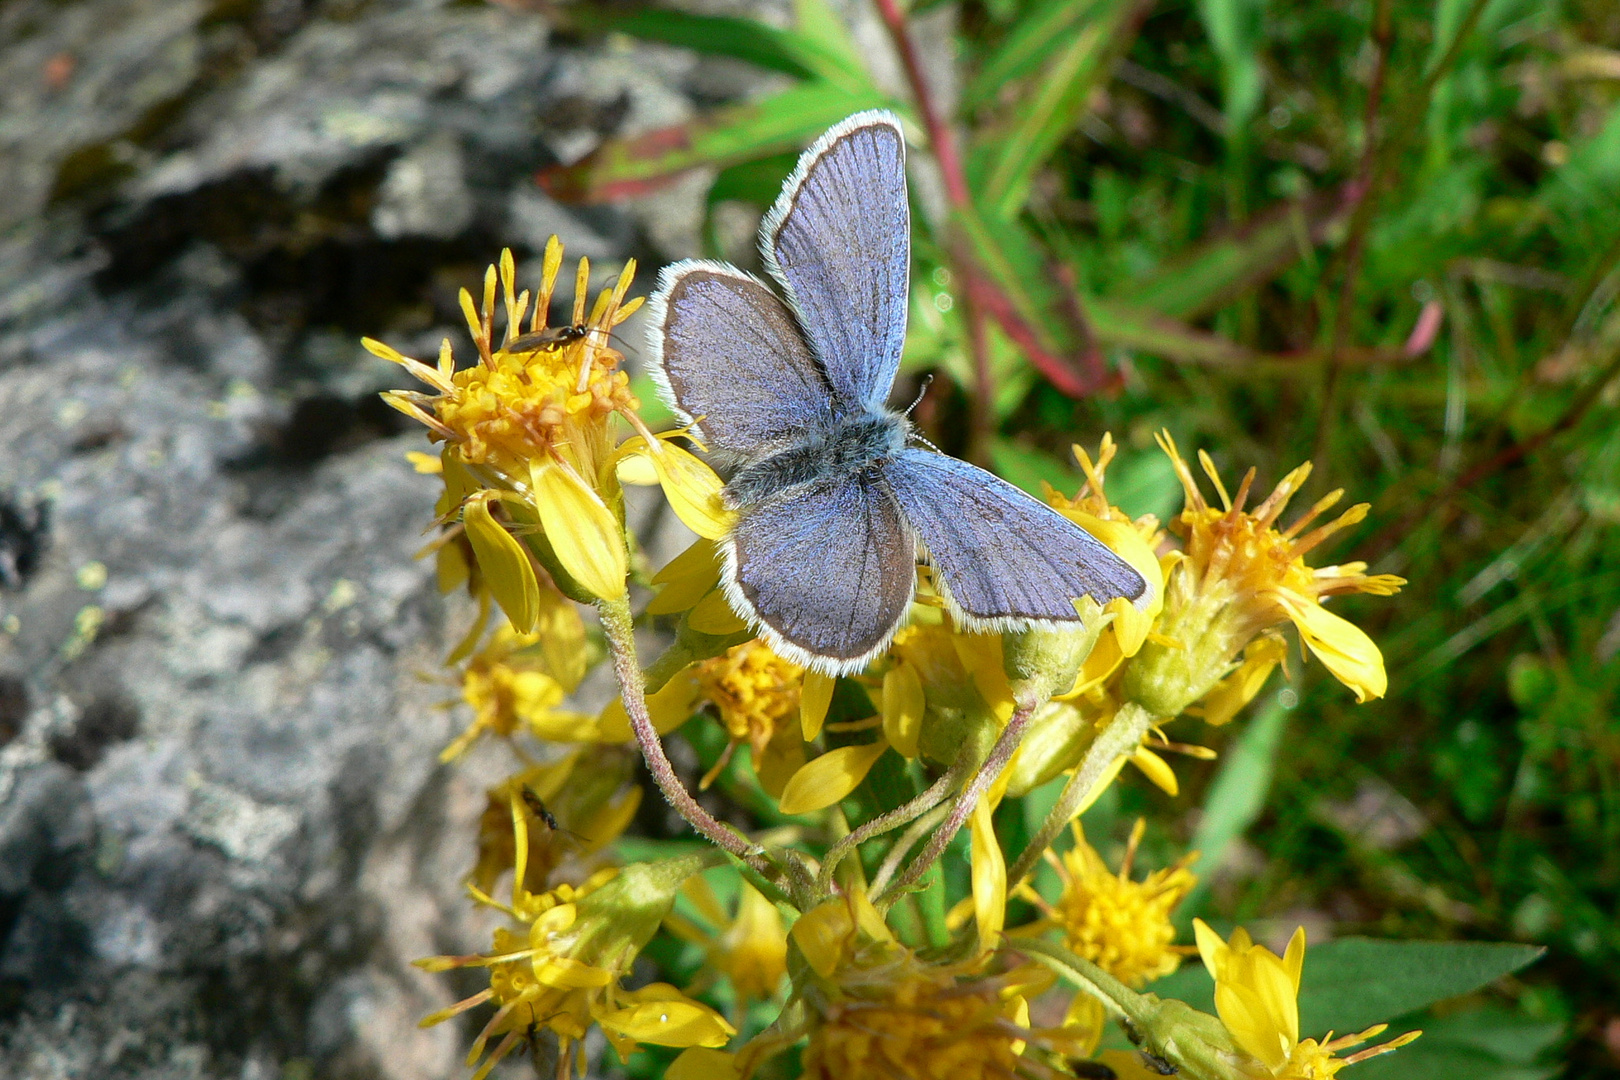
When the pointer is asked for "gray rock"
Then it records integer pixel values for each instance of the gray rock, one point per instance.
(223, 829)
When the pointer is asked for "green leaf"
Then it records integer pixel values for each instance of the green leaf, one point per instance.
(1031, 41)
(828, 38)
(713, 35)
(1215, 272)
(1354, 983)
(1238, 793)
(1060, 95)
(1029, 468)
(624, 168)
(1236, 30)
(1481, 1044)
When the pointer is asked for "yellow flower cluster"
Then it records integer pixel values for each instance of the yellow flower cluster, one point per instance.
(865, 969)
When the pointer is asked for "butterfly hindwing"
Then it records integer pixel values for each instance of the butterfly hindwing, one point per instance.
(1003, 555)
(827, 570)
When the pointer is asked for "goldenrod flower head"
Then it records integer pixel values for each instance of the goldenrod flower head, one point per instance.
(538, 392)
(1256, 997)
(945, 686)
(878, 1011)
(1240, 574)
(1121, 925)
(561, 970)
(518, 681)
(756, 694)
(749, 949)
(530, 422)
(914, 1020)
(753, 690)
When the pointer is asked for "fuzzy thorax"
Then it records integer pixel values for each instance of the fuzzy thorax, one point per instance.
(847, 446)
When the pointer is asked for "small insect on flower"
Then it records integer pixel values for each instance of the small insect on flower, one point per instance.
(553, 337)
(538, 809)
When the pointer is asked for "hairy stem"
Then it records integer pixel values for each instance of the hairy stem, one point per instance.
(901, 815)
(1000, 754)
(1122, 736)
(902, 846)
(617, 625)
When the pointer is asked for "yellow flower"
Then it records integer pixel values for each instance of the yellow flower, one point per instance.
(591, 797)
(561, 969)
(1135, 541)
(748, 949)
(531, 422)
(520, 680)
(1239, 575)
(756, 694)
(878, 1011)
(1122, 926)
(1256, 997)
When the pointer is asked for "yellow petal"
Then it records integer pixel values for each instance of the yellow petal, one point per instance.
(505, 562)
(450, 567)
(568, 974)
(981, 656)
(713, 615)
(1155, 769)
(822, 934)
(815, 696)
(584, 533)
(1104, 659)
(1211, 948)
(681, 1022)
(989, 878)
(1083, 1022)
(669, 708)
(686, 579)
(702, 1063)
(1341, 645)
(692, 488)
(903, 705)
(1132, 621)
(1235, 691)
(636, 469)
(1109, 775)
(564, 727)
(1294, 957)
(829, 777)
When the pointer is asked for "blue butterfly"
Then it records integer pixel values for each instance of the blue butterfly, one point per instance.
(836, 498)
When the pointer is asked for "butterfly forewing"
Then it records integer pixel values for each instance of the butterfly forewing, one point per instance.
(1002, 554)
(730, 355)
(827, 570)
(839, 241)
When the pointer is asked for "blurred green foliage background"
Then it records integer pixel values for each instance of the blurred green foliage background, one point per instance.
(1383, 235)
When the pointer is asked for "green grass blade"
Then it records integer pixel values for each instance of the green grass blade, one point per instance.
(624, 168)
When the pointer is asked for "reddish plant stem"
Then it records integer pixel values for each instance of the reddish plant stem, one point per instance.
(940, 134)
(617, 625)
(962, 808)
(943, 140)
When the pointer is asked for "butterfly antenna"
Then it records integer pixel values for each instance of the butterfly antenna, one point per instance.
(922, 392)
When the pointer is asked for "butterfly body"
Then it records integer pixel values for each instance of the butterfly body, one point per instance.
(789, 392)
(854, 444)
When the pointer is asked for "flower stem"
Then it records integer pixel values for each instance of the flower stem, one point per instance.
(1119, 998)
(1000, 754)
(907, 841)
(617, 625)
(901, 815)
(1122, 735)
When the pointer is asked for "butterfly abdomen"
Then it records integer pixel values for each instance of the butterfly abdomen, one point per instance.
(849, 444)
